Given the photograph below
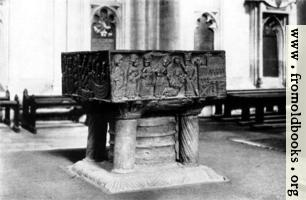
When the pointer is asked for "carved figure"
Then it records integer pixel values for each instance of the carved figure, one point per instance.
(161, 77)
(191, 78)
(117, 76)
(147, 78)
(177, 78)
(133, 75)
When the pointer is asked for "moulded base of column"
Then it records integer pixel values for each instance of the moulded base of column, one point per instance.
(144, 177)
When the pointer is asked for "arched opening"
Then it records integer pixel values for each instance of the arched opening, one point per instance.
(103, 29)
(204, 35)
(272, 52)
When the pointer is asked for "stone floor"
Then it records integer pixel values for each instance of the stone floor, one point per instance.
(34, 166)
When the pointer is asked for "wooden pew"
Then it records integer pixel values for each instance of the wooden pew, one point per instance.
(48, 107)
(8, 104)
(263, 100)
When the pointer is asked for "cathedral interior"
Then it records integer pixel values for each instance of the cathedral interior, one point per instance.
(110, 99)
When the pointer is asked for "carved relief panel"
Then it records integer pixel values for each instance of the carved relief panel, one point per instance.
(211, 75)
(86, 74)
(142, 75)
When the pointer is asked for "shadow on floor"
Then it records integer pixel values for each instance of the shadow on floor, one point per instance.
(72, 155)
(278, 144)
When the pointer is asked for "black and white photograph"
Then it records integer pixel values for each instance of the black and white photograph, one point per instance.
(149, 99)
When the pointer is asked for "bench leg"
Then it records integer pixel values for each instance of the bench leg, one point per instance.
(227, 110)
(29, 119)
(259, 114)
(269, 108)
(33, 120)
(218, 110)
(281, 109)
(16, 126)
(245, 115)
(1, 114)
(7, 116)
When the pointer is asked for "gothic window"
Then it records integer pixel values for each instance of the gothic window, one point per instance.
(204, 33)
(103, 29)
(268, 19)
(273, 44)
(270, 48)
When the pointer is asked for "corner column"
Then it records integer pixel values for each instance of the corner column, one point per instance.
(96, 141)
(189, 138)
(125, 145)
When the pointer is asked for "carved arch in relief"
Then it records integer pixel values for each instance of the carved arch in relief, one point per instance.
(106, 29)
(206, 32)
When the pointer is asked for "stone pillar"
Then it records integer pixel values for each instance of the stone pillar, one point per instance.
(96, 142)
(189, 139)
(138, 25)
(169, 25)
(152, 24)
(125, 145)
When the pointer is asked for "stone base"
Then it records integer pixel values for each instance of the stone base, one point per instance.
(144, 177)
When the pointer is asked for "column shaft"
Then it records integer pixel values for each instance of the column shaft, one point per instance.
(189, 139)
(96, 142)
(125, 145)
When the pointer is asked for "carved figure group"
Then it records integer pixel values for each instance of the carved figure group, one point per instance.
(166, 77)
(143, 76)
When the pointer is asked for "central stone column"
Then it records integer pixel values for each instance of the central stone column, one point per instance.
(156, 140)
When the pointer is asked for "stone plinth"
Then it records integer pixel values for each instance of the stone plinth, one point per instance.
(150, 100)
(144, 177)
